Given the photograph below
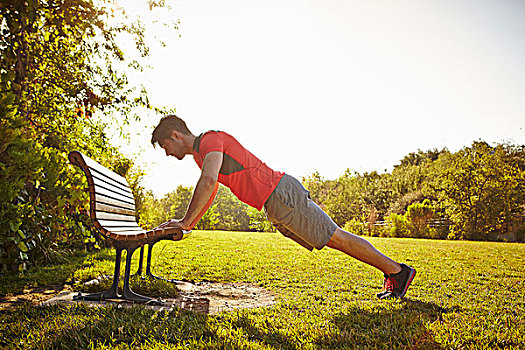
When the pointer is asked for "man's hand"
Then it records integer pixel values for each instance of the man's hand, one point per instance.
(173, 223)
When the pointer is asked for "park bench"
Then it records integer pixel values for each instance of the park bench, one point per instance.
(112, 211)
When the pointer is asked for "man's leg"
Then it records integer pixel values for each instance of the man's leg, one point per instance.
(291, 210)
(362, 250)
(397, 276)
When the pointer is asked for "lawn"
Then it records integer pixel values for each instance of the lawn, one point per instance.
(466, 295)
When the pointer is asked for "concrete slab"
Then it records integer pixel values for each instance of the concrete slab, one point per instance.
(203, 297)
(200, 305)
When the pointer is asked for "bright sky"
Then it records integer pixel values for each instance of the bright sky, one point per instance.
(327, 85)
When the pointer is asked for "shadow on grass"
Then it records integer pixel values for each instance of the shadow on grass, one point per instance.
(83, 327)
(269, 336)
(142, 328)
(62, 327)
(402, 328)
(60, 273)
(49, 275)
(72, 273)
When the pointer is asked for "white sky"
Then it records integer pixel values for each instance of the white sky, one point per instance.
(327, 85)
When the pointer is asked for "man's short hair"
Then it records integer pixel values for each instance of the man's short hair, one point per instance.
(166, 126)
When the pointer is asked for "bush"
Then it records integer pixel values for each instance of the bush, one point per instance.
(57, 70)
(44, 207)
(416, 222)
(520, 233)
(418, 217)
(259, 222)
(354, 226)
(398, 225)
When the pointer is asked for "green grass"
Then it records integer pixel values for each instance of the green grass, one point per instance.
(467, 295)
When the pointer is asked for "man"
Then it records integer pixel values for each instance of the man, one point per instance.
(286, 202)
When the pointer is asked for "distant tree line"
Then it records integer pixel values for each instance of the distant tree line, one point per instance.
(476, 193)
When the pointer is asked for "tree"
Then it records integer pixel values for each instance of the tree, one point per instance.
(259, 222)
(418, 217)
(420, 157)
(343, 202)
(477, 189)
(401, 205)
(209, 220)
(59, 69)
(318, 187)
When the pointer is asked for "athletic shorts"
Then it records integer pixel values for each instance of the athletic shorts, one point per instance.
(291, 210)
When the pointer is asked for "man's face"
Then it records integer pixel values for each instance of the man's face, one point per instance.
(173, 147)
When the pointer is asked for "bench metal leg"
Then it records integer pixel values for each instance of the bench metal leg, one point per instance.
(141, 258)
(148, 262)
(148, 266)
(127, 293)
(112, 292)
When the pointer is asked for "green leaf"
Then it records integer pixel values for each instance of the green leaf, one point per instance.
(22, 267)
(15, 225)
(9, 76)
(22, 246)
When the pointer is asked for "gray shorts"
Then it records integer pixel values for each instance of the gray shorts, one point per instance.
(291, 210)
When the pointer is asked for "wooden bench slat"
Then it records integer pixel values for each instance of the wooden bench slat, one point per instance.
(103, 170)
(124, 229)
(129, 232)
(117, 198)
(105, 200)
(113, 209)
(172, 232)
(109, 224)
(100, 215)
(111, 185)
(128, 237)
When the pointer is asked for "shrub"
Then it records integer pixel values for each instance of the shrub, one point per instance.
(418, 217)
(398, 225)
(354, 226)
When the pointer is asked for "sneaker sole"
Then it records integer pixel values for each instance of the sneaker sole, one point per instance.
(386, 295)
(382, 294)
(410, 278)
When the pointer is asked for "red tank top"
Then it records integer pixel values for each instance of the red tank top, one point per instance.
(245, 175)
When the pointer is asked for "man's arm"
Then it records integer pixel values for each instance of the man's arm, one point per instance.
(206, 206)
(203, 191)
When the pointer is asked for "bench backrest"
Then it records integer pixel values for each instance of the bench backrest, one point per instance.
(112, 205)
